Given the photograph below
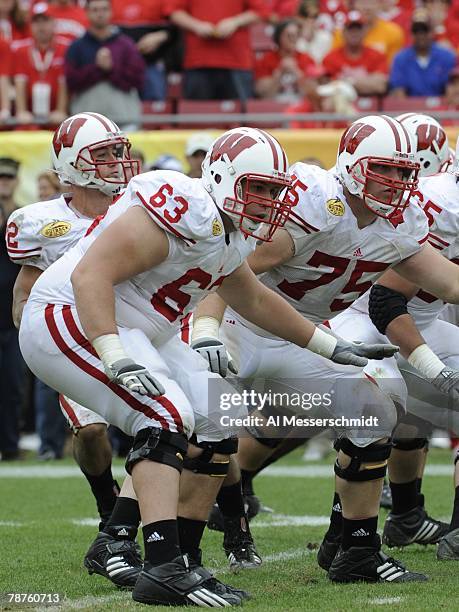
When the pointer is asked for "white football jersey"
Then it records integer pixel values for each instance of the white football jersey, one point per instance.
(39, 234)
(439, 197)
(335, 262)
(200, 256)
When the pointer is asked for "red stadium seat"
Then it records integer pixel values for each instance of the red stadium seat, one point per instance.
(261, 107)
(156, 108)
(426, 104)
(212, 109)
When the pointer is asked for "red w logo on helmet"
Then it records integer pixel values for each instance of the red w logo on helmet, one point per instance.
(427, 135)
(351, 139)
(65, 135)
(231, 145)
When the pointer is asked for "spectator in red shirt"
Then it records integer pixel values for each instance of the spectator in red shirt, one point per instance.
(13, 21)
(283, 74)
(361, 66)
(218, 59)
(156, 38)
(70, 19)
(5, 73)
(38, 72)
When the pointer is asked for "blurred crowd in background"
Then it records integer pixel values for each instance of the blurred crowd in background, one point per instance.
(116, 57)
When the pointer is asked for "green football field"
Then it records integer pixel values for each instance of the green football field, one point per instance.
(47, 521)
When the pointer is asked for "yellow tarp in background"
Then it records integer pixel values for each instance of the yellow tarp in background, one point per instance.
(32, 149)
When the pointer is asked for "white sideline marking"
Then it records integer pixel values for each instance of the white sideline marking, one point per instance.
(10, 524)
(287, 520)
(382, 601)
(275, 471)
(86, 522)
(278, 520)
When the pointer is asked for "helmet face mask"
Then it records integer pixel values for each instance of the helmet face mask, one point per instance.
(383, 194)
(376, 163)
(119, 147)
(255, 214)
(77, 159)
(245, 171)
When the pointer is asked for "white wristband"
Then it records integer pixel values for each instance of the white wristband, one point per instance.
(205, 327)
(425, 360)
(322, 343)
(109, 348)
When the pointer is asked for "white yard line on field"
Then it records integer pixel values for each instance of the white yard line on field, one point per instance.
(275, 471)
(274, 520)
(384, 601)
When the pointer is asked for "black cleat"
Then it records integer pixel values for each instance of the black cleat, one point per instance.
(239, 545)
(448, 547)
(413, 527)
(118, 560)
(176, 583)
(212, 583)
(369, 564)
(386, 497)
(327, 552)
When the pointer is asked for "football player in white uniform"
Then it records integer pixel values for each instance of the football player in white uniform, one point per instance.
(84, 149)
(101, 327)
(409, 522)
(430, 357)
(346, 229)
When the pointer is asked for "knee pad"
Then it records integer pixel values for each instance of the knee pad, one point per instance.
(204, 464)
(373, 453)
(159, 446)
(408, 444)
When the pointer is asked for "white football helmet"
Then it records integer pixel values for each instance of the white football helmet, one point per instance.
(234, 161)
(368, 145)
(74, 143)
(432, 150)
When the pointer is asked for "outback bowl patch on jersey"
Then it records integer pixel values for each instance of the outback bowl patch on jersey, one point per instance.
(55, 229)
(217, 227)
(335, 207)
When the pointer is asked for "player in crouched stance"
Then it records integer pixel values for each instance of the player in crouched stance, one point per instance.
(101, 327)
(347, 227)
(91, 155)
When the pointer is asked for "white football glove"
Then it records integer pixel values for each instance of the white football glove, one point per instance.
(215, 352)
(134, 377)
(123, 370)
(358, 353)
(448, 382)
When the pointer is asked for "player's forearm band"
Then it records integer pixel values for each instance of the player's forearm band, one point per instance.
(109, 348)
(385, 305)
(322, 343)
(205, 327)
(426, 362)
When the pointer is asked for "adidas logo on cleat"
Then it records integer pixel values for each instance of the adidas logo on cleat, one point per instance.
(360, 533)
(155, 537)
